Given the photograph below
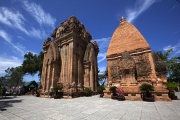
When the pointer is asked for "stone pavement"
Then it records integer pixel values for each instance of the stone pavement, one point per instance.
(86, 108)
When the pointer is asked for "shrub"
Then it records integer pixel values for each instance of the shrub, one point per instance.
(100, 89)
(171, 85)
(119, 91)
(87, 91)
(113, 90)
(57, 87)
(146, 87)
(146, 90)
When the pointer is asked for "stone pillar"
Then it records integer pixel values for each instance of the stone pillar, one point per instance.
(153, 74)
(45, 79)
(86, 74)
(78, 62)
(92, 77)
(53, 74)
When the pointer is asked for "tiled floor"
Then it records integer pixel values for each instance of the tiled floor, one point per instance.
(86, 108)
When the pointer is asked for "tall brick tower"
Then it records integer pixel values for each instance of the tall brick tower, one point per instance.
(131, 63)
(70, 59)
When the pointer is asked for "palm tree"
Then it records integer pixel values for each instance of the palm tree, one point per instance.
(172, 64)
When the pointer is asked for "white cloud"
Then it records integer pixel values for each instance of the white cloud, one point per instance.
(140, 7)
(172, 8)
(20, 37)
(5, 36)
(16, 20)
(12, 19)
(39, 14)
(18, 47)
(102, 69)
(101, 57)
(103, 44)
(176, 48)
(176, 32)
(6, 62)
(37, 33)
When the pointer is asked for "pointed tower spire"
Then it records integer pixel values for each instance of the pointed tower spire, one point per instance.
(122, 20)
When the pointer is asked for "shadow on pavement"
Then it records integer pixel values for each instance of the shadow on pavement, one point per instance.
(7, 102)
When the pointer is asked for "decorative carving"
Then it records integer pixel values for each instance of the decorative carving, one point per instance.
(72, 25)
(46, 42)
(91, 47)
(54, 33)
(66, 86)
(109, 84)
(80, 87)
(114, 70)
(143, 66)
(123, 69)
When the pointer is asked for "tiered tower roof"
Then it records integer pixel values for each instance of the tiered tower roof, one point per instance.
(126, 38)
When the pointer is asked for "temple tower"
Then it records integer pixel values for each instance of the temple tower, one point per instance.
(131, 62)
(69, 58)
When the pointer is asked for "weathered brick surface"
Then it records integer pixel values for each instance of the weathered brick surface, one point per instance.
(65, 58)
(126, 37)
(131, 63)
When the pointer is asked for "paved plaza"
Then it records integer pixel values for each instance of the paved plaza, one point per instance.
(86, 108)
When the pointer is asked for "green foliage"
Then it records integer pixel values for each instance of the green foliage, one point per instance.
(113, 89)
(172, 65)
(30, 63)
(171, 85)
(57, 87)
(33, 63)
(100, 88)
(164, 56)
(87, 91)
(40, 63)
(14, 76)
(1, 82)
(102, 78)
(146, 87)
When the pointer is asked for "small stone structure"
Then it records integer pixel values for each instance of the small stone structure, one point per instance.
(70, 59)
(131, 63)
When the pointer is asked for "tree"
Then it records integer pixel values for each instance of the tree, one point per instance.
(33, 63)
(1, 82)
(164, 56)
(40, 63)
(172, 65)
(1, 85)
(102, 78)
(174, 70)
(14, 77)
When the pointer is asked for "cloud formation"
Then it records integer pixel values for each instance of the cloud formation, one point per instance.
(15, 20)
(8, 62)
(39, 14)
(103, 44)
(176, 48)
(102, 69)
(140, 7)
(18, 47)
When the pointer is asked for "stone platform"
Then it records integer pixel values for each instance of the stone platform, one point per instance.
(86, 108)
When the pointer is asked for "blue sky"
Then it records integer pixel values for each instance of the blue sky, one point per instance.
(25, 24)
